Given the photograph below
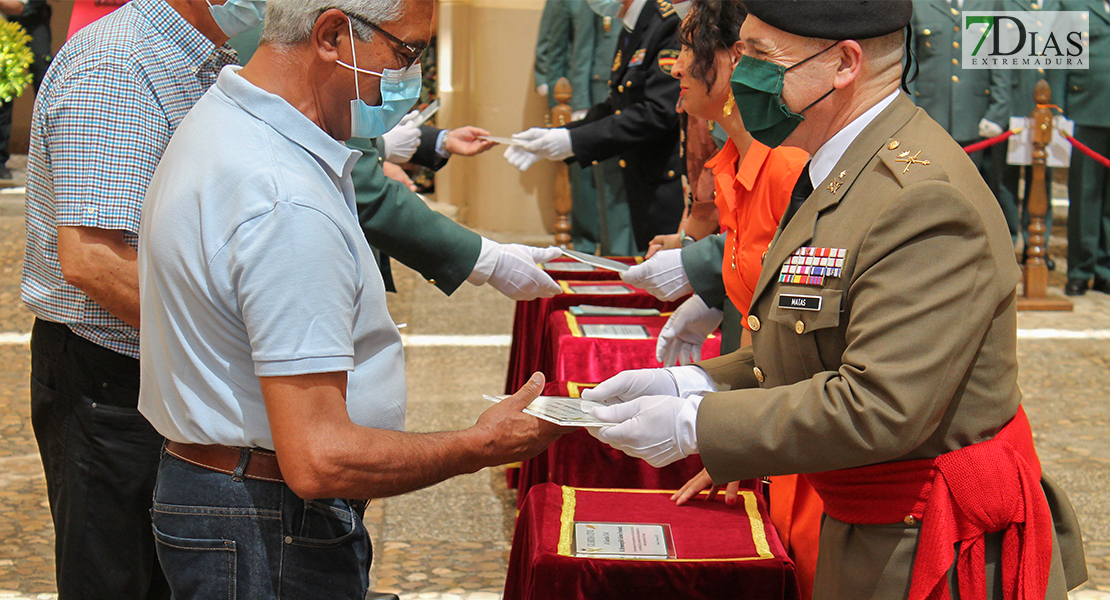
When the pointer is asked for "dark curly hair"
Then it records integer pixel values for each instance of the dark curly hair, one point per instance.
(711, 26)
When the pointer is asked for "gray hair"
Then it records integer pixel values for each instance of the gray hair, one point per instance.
(290, 22)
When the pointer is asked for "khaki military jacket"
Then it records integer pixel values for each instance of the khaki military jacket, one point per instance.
(909, 351)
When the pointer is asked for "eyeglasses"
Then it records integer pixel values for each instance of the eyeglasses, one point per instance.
(413, 52)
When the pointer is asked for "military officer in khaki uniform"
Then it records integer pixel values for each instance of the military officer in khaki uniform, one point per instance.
(884, 333)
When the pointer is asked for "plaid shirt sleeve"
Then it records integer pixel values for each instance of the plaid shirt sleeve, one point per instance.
(107, 133)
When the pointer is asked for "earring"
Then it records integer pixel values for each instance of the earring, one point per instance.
(729, 104)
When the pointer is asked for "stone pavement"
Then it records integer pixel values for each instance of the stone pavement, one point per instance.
(451, 541)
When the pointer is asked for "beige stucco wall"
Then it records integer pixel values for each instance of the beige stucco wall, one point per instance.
(486, 49)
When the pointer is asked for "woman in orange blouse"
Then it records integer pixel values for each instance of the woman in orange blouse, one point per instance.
(752, 184)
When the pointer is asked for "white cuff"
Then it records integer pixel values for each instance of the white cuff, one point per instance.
(686, 425)
(441, 139)
(487, 260)
(692, 380)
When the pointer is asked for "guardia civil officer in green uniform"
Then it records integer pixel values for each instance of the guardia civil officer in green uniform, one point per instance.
(1084, 101)
(883, 361)
(1014, 89)
(637, 123)
(577, 43)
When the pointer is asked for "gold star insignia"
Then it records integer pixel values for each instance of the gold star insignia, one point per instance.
(834, 185)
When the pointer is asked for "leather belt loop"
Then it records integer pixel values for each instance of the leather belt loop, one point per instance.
(244, 458)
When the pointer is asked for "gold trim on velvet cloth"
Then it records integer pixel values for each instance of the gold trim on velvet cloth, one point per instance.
(566, 286)
(566, 521)
(566, 525)
(574, 388)
(572, 323)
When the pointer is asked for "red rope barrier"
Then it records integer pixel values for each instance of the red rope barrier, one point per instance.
(1100, 159)
(977, 146)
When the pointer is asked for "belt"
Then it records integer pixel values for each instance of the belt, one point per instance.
(261, 464)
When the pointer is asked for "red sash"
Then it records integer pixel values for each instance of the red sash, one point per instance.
(958, 497)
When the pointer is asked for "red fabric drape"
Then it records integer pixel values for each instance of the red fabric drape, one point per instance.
(530, 324)
(568, 356)
(987, 487)
(716, 547)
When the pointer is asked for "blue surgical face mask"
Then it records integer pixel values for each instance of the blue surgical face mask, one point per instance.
(238, 16)
(606, 8)
(400, 89)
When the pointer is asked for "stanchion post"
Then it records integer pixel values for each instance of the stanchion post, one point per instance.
(560, 116)
(1035, 271)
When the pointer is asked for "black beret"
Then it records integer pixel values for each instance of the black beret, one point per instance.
(834, 19)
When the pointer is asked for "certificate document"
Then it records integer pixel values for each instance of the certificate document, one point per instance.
(639, 541)
(569, 266)
(615, 332)
(560, 410)
(601, 290)
(597, 261)
(588, 310)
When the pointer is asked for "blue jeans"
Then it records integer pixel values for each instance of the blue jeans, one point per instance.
(223, 537)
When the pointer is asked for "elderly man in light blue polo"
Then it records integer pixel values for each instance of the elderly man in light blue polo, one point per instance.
(269, 361)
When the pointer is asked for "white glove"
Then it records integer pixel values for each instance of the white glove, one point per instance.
(681, 339)
(989, 129)
(552, 144)
(578, 115)
(521, 159)
(541, 89)
(516, 275)
(401, 141)
(628, 385)
(658, 429)
(662, 275)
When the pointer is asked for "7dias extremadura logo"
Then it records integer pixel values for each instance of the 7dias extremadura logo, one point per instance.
(1026, 40)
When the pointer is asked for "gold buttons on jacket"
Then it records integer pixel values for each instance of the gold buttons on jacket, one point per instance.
(622, 163)
(893, 145)
(617, 112)
(758, 374)
(628, 83)
(620, 88)
(955, 79)
(926, 32)
(910, 520)
(955, 44)
(432, 281)
(955, 61)
(753, 322)
(800, 327)
(670, 173)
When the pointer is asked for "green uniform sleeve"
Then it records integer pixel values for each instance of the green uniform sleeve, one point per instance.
(702, 261)
(397, 222)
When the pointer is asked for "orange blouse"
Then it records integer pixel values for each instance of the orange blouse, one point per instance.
(751, 197)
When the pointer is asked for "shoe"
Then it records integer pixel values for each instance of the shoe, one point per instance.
(1078, 287)
(1101, 285)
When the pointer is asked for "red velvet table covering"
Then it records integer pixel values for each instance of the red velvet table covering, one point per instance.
(530, 323)
(721, 552)
(578, 459)
(570, 356)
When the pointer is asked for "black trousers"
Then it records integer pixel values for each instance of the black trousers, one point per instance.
(101, 460)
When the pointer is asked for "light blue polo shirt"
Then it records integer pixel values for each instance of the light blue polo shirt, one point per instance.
(252, 263)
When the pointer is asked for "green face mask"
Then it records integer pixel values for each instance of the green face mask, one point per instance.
(757, 86)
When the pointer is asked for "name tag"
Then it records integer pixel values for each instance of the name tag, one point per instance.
(800, 302)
